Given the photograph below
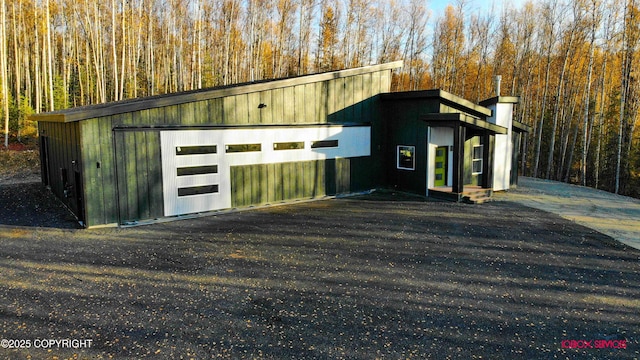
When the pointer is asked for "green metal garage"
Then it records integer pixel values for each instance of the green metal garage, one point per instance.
(269, 142)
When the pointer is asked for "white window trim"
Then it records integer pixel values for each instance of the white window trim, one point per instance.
(413, 157)
(474, 159)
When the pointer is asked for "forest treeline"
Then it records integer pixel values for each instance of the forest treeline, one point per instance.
(572, 62)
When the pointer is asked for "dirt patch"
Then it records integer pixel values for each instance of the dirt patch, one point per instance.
(379, 276)
(19, 164)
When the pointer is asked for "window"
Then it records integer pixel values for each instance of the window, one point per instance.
(477, 159)
(288, 145)
(243, 148)
(406, 157)
(198, 170)
(198, 190)
(195, 150)
(324, 144)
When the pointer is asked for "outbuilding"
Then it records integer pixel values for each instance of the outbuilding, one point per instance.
(269, 142)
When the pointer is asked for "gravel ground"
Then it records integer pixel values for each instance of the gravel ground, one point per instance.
(614, 215)
(377, 276)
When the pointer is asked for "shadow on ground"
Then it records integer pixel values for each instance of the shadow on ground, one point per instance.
(32, 204)
(356, 278)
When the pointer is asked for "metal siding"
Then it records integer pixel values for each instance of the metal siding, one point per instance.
(278, 108)
(310, 100)
(255, 113)
(273, 183)
(154, 169)
(288, 104)
(339, 116)
(172, 115)
(343, 175)
(108, 170)
(298, 186)
(139, 175)
(259, 175)
(242, 109)
(331, 100)
(319, 188)
(321, 102)
(94, 196)
(247, 188)
(349, 100)
(237, 183)
(277, 185)
(385, 81)
(229, 110)
(142, 175)
(188, 114)
(309, 180)
(330, 176)
(285, 168)
(266, 114)
(216, 111)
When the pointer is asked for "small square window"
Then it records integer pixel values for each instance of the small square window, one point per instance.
(406, 157)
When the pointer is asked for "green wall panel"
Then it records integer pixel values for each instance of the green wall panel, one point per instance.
(275, 183)
(288, 105)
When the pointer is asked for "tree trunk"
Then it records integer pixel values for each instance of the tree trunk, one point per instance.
(3, 73)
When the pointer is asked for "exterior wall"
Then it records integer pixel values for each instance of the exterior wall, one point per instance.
(61, 163)
(516, 138)
(122, 170)
(404, 127)
(504, 147)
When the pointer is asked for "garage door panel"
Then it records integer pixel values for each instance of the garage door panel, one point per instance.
(196, 164)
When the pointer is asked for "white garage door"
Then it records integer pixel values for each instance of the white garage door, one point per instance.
(196, 163)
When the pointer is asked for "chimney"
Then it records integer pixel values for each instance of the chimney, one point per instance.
(498, 80)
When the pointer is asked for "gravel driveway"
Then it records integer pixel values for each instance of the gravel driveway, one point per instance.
(377, 276)
(611, 214)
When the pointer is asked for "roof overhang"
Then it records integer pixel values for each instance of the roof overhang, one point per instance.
(520, 127)
(459, 119)
(444, 97)
(500, 100)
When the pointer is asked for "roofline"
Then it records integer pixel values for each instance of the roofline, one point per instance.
(501, 100)
(447, 97)
(521, 127)
(454, 119)
(130, 105)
